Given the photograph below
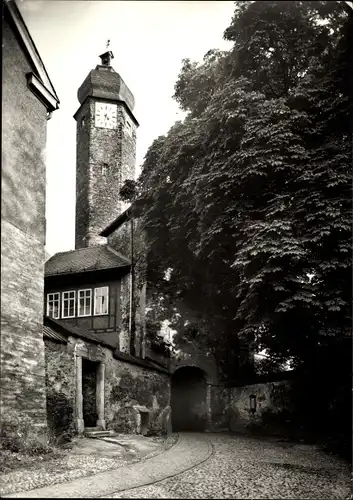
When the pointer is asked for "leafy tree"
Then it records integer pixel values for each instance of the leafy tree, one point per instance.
(274, 42)
(197, 82)
(248, 200)
(128, 191)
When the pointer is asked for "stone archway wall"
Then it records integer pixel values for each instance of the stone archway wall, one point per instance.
(206, 365)
(198, 360)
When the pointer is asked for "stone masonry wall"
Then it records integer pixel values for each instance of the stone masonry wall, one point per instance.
(230, 407)
(124, 334)
(24, 125)
(140, 290)
(220, 399)
(271, 398)
(120, 240)
(126, 385)
(82, 176)
(128, 152)
(61, 387)
(105, 158)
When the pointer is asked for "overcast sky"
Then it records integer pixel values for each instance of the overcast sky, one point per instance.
(149, 39)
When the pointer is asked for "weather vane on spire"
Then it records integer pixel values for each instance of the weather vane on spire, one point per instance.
(107, 56)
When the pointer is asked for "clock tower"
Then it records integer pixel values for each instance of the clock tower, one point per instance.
(105, 150)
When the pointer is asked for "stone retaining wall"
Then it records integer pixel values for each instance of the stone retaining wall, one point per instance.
(60, 383)
(270, 399)
(129, 389)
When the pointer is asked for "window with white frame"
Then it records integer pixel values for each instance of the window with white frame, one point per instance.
(68, 304)
(53, 305)
(84, 302)
(101, 297)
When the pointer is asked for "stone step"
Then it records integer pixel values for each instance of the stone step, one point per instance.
(97, 433)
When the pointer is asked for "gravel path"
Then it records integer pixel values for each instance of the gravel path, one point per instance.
(243, 467)
(87, 458)
(216, 466)
(190, 450)
(57, 470)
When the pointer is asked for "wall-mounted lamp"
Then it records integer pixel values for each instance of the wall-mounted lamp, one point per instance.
(252, 399)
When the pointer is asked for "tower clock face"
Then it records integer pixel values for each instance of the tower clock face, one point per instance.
(105, 115)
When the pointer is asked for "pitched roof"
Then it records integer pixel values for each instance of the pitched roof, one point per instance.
(40, 83)
(123, 217)
(106, 83)
(49, 333)
(147, 363)
(63, 331)
(85, 259)
(78, 332)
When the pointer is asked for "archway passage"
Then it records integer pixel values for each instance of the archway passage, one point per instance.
(188, 400)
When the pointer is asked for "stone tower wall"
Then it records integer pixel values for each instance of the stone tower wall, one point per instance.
(132, 341)
(105, 158)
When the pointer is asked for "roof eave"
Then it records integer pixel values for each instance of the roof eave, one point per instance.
(45, 84)
(41, 92)
(116, 223)
(71, 333)
(53, 336)
(72, 273)
(128, 358)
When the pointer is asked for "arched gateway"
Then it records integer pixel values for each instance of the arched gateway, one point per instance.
(189, 399)
(193, 375)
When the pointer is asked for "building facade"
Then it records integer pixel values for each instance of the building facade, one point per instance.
(104, 380)
(28, 100)
(85, 365)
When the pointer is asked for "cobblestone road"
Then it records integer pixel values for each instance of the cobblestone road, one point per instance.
(242, 467)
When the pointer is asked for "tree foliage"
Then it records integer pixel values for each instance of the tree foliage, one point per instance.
(248, 200)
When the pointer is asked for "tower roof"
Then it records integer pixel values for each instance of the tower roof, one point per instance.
(104, 82)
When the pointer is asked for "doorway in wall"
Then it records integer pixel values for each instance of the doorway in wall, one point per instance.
(188, 401)
(89, 392)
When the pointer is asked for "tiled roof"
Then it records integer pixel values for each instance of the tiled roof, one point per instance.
(106, 85)
(55, 327)
(138, 361)
(49, 333)
(78, 332)
(84, 259)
